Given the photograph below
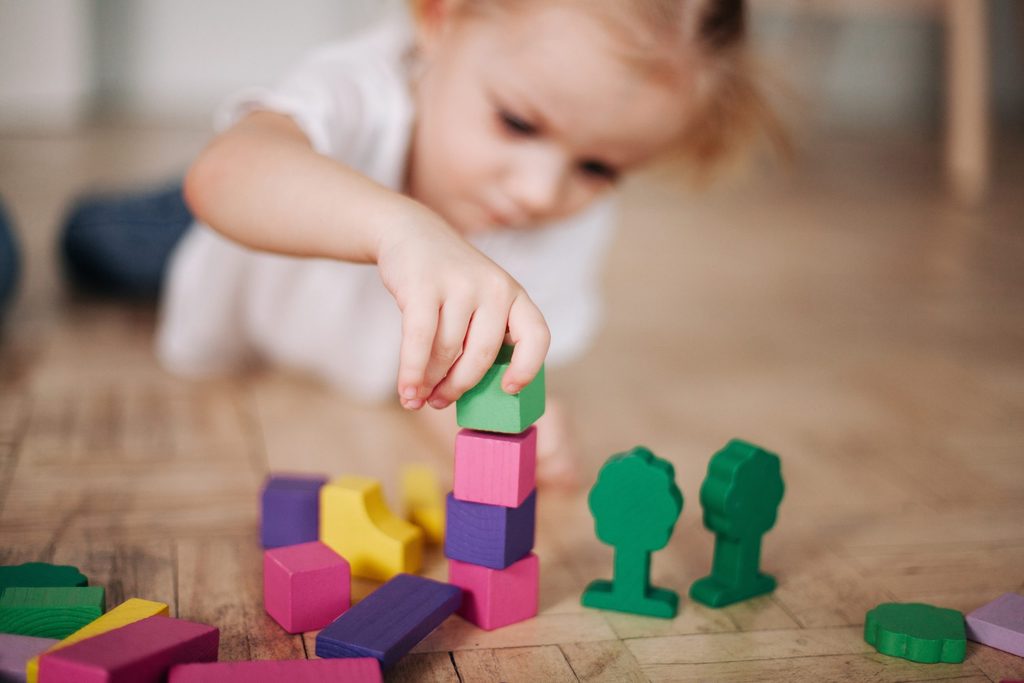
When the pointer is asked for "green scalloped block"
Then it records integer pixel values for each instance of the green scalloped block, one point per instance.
(918, 632)
(49, 612)
(486, 407)
(40, 574)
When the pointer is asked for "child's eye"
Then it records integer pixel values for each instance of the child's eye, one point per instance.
(516, 125)
(598, 169)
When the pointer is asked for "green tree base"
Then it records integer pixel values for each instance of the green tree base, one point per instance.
(713, 593)
(655, 602)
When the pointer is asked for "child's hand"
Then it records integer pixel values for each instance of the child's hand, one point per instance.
(456, 308)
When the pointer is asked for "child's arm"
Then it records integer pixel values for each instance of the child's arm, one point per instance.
(261, 184)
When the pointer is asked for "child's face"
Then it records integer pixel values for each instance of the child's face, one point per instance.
(526, 117)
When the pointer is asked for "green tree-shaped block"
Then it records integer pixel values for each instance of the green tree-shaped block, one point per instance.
(740, 496)
(918, 632)
(635, 504)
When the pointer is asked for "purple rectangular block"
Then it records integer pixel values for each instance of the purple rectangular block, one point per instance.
(391, 620)
(15, 651)
(290, 509)
(141, 652)
(493, 536)
(999, 624)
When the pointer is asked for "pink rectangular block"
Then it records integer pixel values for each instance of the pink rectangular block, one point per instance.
(305, 586)
(999, 624)
(495, 469)
(142, 652)
(492, 598)
(358, 670)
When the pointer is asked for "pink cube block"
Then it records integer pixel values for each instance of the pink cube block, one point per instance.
(492, 598)
(495, 469)
(357, 670)
(305, 586)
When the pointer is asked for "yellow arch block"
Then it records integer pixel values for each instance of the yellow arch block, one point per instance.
(128, 612)
(423, 501)
(355, 522)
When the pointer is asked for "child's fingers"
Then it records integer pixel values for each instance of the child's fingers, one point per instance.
(530, 334)
(451, 335)
(419, 325)
(483, 341)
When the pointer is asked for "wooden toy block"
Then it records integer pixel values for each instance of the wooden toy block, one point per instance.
(361, 670)
(290, 509)
(488, 408)
(492, 598)
(40, 575)
(490, 535)
(999, 624)
(141, 652)
(129, 611)
(305, 586)
(495, 469)
(423, 501)
(635, 503)
(918, 632)
(391, 620)
(16, 651)
(49, 612)
(740, 496)
(356, 523)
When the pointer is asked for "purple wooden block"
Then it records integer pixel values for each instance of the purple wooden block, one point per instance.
(493, 536)
(141, 652)
(391, 620)
(15, 651)
(999, 624)
(290, 509)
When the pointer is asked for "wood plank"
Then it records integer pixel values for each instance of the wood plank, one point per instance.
(429, 667)
(727, 647)
(868, 668)
(219, 583)
(820, 589)
(603, 662)
(511, 665)
(457, 634)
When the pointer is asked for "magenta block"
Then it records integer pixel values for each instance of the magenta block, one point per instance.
(495, 469)
(305, 586)
(141, 652)
(492, 598)
(999, 624)
(361, 670)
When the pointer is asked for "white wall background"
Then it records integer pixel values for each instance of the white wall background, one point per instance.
(173, 60)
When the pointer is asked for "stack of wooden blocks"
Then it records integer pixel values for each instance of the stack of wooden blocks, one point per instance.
(491, 512)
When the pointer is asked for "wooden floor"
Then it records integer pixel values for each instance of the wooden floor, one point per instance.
(844, 315)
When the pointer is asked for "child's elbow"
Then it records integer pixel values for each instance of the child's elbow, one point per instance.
(200, 183)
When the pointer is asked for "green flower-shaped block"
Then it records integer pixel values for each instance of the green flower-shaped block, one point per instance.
(918, 632)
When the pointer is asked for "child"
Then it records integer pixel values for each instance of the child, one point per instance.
(470, 156)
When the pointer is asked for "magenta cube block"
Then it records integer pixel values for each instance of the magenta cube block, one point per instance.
(495, 469)
(305, 586)
(492, 598)
(141, 652)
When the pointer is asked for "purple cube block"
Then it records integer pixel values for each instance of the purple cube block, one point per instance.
(290, 509)
(493, 536)
(999, 624)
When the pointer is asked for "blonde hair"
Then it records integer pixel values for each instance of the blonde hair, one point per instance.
(731, 110)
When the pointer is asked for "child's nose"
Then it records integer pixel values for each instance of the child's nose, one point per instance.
(538, 184)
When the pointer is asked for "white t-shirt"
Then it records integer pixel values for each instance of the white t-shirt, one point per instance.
(225, 305)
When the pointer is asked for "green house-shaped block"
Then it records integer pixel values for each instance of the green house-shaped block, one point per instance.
(486, 407)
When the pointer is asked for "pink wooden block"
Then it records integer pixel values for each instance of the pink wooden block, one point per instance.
(305, 586)
(492, 598)
(495, 469)
(358, 670)
(141, 652)
(999, 624)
